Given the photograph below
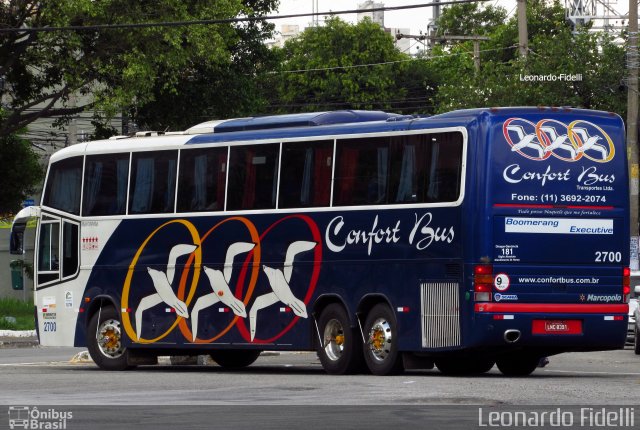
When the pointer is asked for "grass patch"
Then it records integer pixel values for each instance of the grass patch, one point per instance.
(21, 311)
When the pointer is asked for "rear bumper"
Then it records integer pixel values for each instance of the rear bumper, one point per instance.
(602, 326)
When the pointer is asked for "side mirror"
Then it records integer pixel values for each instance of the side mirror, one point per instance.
(636, 290)
(16, 240)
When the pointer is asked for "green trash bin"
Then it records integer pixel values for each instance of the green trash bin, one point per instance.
(17, 277)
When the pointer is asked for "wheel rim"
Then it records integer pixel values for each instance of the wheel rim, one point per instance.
(333, 339)
(380, 339)
(109, 338)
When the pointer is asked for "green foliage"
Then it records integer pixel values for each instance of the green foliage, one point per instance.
(470, 19)
(114, 68)
(205, 89)
(340, 66)
(20, 310)
(594, 58)
(21, 173)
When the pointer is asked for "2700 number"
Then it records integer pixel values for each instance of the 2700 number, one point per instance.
(49, 326)
(608, 257)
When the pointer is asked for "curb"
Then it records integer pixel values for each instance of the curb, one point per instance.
(18, 343)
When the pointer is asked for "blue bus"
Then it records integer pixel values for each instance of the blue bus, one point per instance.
(384, 242)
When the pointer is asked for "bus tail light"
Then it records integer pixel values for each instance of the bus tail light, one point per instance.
(626, 284)
(482, 282)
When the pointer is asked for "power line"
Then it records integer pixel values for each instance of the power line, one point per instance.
(225, 20)
(384, 63)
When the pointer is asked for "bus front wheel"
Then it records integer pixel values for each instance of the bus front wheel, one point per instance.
(381, 348)
(340, 351)
(517, 364)
(235, 358)
(105, 340)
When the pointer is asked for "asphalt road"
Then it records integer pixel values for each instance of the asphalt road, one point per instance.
(294, 385)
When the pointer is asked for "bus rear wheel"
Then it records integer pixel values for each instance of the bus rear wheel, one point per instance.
(235, 358)
(381, 349)
(517, 364)
(340, 351)
(105, 340)
(636, 340)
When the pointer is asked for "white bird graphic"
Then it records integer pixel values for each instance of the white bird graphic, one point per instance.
(526, 140)
(219, 281)
(162, 283)
(590, 142)
(279, 282)
(558, 142)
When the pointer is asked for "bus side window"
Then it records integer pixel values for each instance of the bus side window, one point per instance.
(305, 174)
(362, 171)
(423, 168)
(64, 182)
(153, 182)
(201, 184)
(70, 254)
(105, 184)
(253, 177)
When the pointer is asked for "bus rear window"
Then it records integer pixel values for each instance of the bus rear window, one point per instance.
(63, 185)
(422, 168)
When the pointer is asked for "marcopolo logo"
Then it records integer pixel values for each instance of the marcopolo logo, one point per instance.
(26, 417)
(601, 298)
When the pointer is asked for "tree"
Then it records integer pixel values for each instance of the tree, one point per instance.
(114, 68)
(21, 173)
(340, 66)
(594, 59)
(207, 90)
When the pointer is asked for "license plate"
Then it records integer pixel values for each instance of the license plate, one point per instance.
(557, 327)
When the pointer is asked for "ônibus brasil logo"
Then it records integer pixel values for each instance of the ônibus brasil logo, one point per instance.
(550, 137)
(27, 417)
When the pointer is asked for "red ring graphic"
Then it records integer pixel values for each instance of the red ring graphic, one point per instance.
(317, 258)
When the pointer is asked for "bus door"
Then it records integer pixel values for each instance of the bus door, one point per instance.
(58, 250)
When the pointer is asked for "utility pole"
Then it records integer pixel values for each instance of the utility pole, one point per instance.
(632, 128)
(523, 37)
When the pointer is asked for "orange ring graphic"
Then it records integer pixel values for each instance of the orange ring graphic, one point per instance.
(196, 255)
(254, 255)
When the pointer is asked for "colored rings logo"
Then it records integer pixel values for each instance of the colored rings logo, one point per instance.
(566, 142)
(183, 296)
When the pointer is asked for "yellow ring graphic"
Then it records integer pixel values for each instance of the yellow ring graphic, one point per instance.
(126, 320)
(572, 137)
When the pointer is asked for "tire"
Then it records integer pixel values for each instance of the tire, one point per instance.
(517, 364)
(341, 350)
(235, 358)
(456, 366)
(381, 349)
(636, 340)
(105, 340)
